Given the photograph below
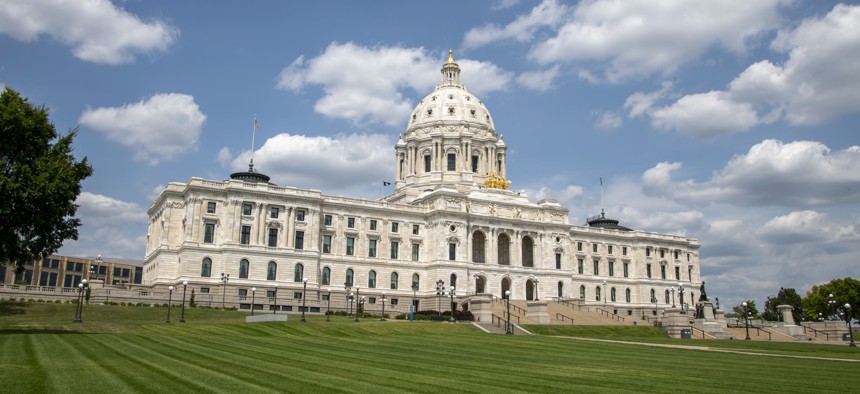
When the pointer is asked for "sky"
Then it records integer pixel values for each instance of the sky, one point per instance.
(734, 123)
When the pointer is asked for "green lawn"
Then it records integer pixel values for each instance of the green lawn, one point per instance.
(131, 349)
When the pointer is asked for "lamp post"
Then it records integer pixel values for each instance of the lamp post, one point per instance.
(831, 302)
(508, 329)
(304, 292)
(185, 287)
(99, 263)
(673, 297)
(440, 291)
(848, 319)
(253, 298)
(383, 307)
(347, 288)
(224, 280)
(79, 311)
(412, 307)
(357, 307)
(275, 307)
(453, 305)
(169, 301)
(654, 300)
(746, 320)
(604, 292)
(537, 290)
(681, 296)
(328, 307)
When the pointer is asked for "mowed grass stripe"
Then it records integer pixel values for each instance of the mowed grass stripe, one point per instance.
(19, 365)
(59, 355)
(115, 362)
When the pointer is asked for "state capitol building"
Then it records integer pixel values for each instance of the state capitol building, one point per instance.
(450, 221)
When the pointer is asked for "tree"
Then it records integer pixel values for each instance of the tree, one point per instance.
(738, 310)
(40, 182)
(784, 297)
(844, 291)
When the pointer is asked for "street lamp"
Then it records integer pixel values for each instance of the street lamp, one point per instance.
(383, 307)
(673, 297)
(79, 311)
(357, 307)
(654, 300)
(604, 292)
(347, 289)
(412, 307)
(328, 307)
(169, 301)
(304, 292)
(453, 305)
(537, 290)
(224, 280)
(746, 319)
(253, 297)
(848, 319)
(831, 305)
(440, 291)
(508, 329)
(349, 301)
(681, 296)
(185, 287)
(275, 307)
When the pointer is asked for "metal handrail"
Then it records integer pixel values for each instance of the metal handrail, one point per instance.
(557, 315)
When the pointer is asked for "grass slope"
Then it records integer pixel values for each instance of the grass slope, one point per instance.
(130, 349)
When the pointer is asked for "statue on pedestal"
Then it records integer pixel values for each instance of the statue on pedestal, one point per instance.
(703, 296)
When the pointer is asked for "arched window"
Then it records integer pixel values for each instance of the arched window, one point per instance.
(206, 268)
(653, 296)
(371, 279)
(528, 252)
(299, 272)
(560, 289)
(349, 276)
(612, 294)
(582, 292)
(627, 295)
(478, 247)
(597, 293)
(272, 271)
(504, 249)
(506, 287)
(243, 269)
(667, 297)
(415, 281)
(326, 276)
(453, 280)
(394, 277)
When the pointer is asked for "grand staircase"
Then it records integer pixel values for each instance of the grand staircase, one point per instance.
(559, 312)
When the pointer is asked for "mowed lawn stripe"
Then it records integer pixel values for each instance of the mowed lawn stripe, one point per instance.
(58, 355)
(19, 358)
(114, 362)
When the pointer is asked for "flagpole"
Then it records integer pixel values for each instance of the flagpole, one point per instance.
(253, 135)
(601, 193)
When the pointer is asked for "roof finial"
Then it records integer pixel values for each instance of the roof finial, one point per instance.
(450, 56)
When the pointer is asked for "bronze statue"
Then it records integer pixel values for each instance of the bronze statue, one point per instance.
(703, 296)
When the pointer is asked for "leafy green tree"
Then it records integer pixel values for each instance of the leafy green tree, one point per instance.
(738, 310)
(844, 291)
(784, 297)
(39, 185)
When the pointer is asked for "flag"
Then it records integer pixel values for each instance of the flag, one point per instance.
(601, 181)
(256, 125)
(384, 183)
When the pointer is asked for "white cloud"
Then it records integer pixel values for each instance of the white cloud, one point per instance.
(351, 165)
(539, 80)
(796, 174)
(373, 89)
(97, 30)
(705, 115)
(158, 128)
(109, 227)
(548, 13)
(504, 4)
(640, 103)
(641, 37)
(608, 121)
(805, 226)
(224, 157)
(566, 196)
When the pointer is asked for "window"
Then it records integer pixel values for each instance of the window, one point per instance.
(648, 270)
(560, 289)
(415, 229)
(243, 292)
(596, 267)
(243, 269)
(626, 270)
(273, 237)
(452, 162)
(209, 233)
(327, 220)
(350, 246)
(648, 252)
(246, 209)
(210, 207)
(371, 279)
(204, 290)
(272, 271)
(415, 281)
(624, 251)
(246, 235)
(690, 274)
(527, 252)
(609, 249)
(371, 248)
(558, 261)
(299, 272)
(206, 268)
(426, 163)
(662, 253)
(393, 284)
(474, 163)
(653, 296)
(667, 296)
(300, 239)
(582, 292)
(452, 251)
(274, 212)
(611, 268)
(415, 252)
(612, 294)
(394, 246)
(676, 255)
(579, 266)
(393, 301)
(371, 300)
(326, 244)
(594, 248)
(662, 272)
(579, 246)
(453, 280)
(350, 274)
(269, 293)
(300, 215)
(350, 222)
(597, 293)
(627, 295)
(395, 227)
(326, 276)
(677, 273)
(478, 246)
(372, 224)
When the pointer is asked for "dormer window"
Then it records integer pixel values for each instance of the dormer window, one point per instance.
(430, 112)
(450, 110)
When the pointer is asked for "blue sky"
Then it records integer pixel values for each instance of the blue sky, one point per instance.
(731, 122)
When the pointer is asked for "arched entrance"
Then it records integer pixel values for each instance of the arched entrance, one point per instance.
(504, 250)
(506, 285)
(478, 246)
(530, 290)
(528, 252)
(480, 284)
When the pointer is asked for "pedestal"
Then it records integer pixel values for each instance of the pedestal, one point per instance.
(268, 317)
(537, 312)
(481, 306)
